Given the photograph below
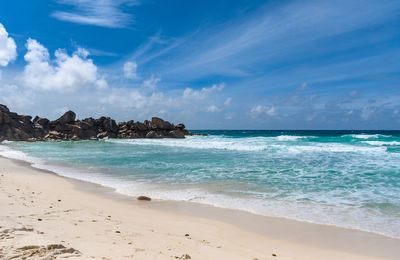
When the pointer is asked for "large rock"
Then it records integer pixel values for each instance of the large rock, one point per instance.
(44, 122)
(1, 117)
(152, 134)
(4, 108)
(89, 134)
(180, 126)
(25, 119)
(109, 125)
(176, 134)
(139, 127)
(103, 135)
(77, 131)
(6, 119)
(67, 118)
(158, 123)
(84, 125)
(90, 121)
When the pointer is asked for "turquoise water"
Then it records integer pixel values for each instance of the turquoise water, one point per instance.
(342, 178)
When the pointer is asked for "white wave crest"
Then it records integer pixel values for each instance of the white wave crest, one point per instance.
(335, 148)
(365, 136)
(381, 143)
(250, 144)
(291, 137)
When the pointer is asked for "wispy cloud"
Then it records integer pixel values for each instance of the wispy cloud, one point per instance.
(272, 36)
(157, 46)
(97, 52)
(104, 13)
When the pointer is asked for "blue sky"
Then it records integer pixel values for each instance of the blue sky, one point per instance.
(210, 64)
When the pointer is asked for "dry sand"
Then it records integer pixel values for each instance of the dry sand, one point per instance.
(44, 216)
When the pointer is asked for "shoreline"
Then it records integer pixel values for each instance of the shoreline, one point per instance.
(166, 203)
(112, 191)
(282, 233)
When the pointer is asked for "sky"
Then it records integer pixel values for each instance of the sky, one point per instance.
(217, 64)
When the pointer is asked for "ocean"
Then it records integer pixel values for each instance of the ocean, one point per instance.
(348, 179)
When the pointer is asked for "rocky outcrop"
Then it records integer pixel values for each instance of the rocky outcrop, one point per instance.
(14, 127)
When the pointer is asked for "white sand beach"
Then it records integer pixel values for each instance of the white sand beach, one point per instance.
(44, 216)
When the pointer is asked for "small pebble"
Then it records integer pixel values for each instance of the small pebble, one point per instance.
(39, 219)
(144, 198)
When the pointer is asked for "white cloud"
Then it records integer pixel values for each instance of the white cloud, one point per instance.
(189, 93)
(134, 99)
(14, 97)
(148, 103)
(130, 68)
(263, 110)
(228, 102)
(151, 83)
(105, 13)
(8, 48)
(213, 109)
(101, 84)
(68, 74)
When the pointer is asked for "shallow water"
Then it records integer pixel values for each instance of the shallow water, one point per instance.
(344, 178)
